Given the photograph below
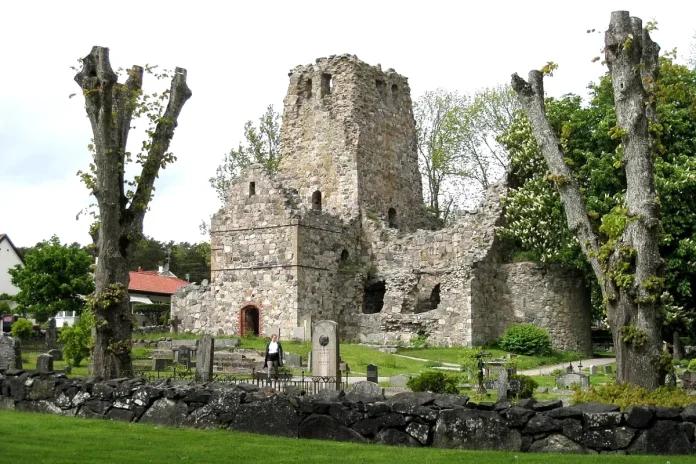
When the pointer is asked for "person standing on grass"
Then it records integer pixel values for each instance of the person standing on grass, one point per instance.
(274, 356)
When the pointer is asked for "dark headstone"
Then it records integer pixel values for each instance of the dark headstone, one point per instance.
(372, 373)
(184, 356)
(292, 360)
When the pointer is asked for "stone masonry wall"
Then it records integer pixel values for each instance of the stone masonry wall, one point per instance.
(362, 415)
(348, 132)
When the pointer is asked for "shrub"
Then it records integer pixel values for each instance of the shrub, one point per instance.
(5, 307)
(526, 339)
(154, 311)
(430, 364)
(433, 381)
(692, 366)
(78, 340)
(22, 329)
(528, 385)
(625, 395)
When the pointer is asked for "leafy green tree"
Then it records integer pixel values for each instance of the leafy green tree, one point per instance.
(536, 223)
(148, 254)
(458, 150)
(112, 107)
(22, 329)
(193, 260)
(262, 146)
(54, 278)
(623, 252)
(78, 339)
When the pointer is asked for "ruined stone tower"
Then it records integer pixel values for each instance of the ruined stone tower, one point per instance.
(340, 232)
(348, 133)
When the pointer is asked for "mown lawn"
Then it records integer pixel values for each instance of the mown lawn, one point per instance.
(41, 438)
(455, 355)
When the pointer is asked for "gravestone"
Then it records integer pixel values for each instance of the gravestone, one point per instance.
(593, 370)
(44, 363)
(184, 356)
(607, 369)
(204, 358)
(56, 353)
(326, 350)
(372, 373)
(51, 335)
(502, 384)
(298, 333)
(567, 381)
(10, 353)
(292, 360)
(399, 380)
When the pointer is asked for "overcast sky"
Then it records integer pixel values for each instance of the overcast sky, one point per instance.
(238, 55)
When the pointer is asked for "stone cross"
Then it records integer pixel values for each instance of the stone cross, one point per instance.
(204, 358)
(372, 373)
(51, 335)
(44, 363)
(174, 324)
(326, 351)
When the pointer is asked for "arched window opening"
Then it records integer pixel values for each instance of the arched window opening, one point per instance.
(344, 256)
(373, 297)
(391, 218)
(327, 84)
(395, 94)
(430, 303)
(308, 89)
(252, 189)
(316, 201)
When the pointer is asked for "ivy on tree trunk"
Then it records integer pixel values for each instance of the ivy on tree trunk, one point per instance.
(625, 258)
(110, 108)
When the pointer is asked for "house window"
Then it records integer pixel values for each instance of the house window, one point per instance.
(316, 201)
(252, 189)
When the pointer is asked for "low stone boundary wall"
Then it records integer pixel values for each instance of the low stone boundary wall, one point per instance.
(361, 414)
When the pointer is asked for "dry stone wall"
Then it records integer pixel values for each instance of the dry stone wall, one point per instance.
(362, 415)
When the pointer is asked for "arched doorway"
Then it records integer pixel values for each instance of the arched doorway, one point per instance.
(249, 320)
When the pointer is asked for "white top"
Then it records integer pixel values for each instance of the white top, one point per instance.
(272, 347)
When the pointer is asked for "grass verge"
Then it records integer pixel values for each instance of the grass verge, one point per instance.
(42, 438)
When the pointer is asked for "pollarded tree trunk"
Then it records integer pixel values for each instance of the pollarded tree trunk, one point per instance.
(110, 107)
(627, 266)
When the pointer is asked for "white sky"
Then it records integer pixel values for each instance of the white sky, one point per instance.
(238, 55)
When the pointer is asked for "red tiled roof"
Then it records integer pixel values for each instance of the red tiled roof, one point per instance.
(150, 282)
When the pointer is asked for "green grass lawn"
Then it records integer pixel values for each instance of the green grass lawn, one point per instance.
(42, 438)
(455, 355)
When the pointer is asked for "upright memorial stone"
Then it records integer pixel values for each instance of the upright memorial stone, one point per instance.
(184, 356)
(326, 351)
(372, 373)
(44, 363)
(502, 384)
(51, 335)
(204, 358)
(10, 353)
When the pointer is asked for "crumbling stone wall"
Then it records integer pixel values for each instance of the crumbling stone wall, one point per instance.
(341, 233)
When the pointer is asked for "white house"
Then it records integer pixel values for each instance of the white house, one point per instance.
(9, 258)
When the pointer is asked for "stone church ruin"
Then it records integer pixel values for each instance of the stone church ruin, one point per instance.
(340, 232)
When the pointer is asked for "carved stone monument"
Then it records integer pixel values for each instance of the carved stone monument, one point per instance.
(204, 358)
(44, 363)
(372, 373)
(10, 353)
(326, 351)
(51, 335)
